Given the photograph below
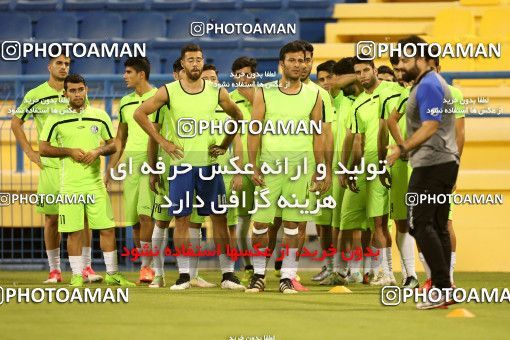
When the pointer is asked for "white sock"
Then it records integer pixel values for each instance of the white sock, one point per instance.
(194, 239)
(226, 264)
(407, 252)
(86, 255)
(336, 262)
(425, 265)
(453, 259)
(367, 264)
(343, 266)
(329, 263)
(384, 262)
(54, 259)
(146, 260)
(183, 264)
(259, 263)
(389, 261)
(110, 260)
(162, 252)
(76, 264)
(289, 265)
(157, 242)
(400, 239)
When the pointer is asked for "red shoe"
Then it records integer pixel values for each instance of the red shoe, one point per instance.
(146, 275)
(426, 285)
(54, 277)
(298, 286)
(89, 275)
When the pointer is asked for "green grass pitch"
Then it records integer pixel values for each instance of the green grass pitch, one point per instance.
(217, 314)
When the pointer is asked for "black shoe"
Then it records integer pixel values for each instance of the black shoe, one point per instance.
(257, 284)
(411, 282)
(286, 287)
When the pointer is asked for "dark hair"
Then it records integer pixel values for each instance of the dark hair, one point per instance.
(343, 66)
(190, 48)
(394, 59)
(208, 67)
(74, 79)
(362, 59)
(415, 40)
(56, 51)
(139, 64)
(385, 69)
(434, 50)
(308, 47)
(326, 66)
(292, 47)
(177, 65)
(243, 62)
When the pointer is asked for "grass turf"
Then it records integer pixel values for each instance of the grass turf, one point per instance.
(217, 314)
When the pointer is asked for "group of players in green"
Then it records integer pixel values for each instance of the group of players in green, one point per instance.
(360, 109)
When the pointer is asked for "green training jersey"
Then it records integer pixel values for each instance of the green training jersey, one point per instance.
(366, 113)
(183, 118)
(401, 109)
(220, 116)
(286, 108)
(137, 139)
(84, 130)
(460, 110)
(246, 107)
(328, 109)
(343, 108)
(40, 102)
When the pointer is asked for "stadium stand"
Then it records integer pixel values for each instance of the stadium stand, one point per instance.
(100, 26)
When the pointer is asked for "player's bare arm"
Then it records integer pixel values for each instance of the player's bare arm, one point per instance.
(47, 150)
(426, 130)
(152, 155)
(393, 127)
(21, 138)
(258, 114)
(141, 117)
(382, 148)
(120, 144)
(318, 146)
(235, 113)
(107, 149)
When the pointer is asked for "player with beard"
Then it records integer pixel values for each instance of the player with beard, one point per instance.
(434, 156)
(193, 99)
(287, 99)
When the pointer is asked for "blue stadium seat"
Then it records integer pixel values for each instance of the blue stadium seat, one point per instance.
(35, 5)
(15, 26)
(308, 3)
(36, 66)
(125, 5)
(215, 4)
(179, 30)
(214, 40)
(170, 4)
(273, 41)
(72, 5)
(262, 4)
(56, 26)
(5, 5)
(101, 26)
(10, 68)
(222, 59)
(145, 26)
(93, 65)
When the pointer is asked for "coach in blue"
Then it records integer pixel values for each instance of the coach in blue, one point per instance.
(433, 153)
